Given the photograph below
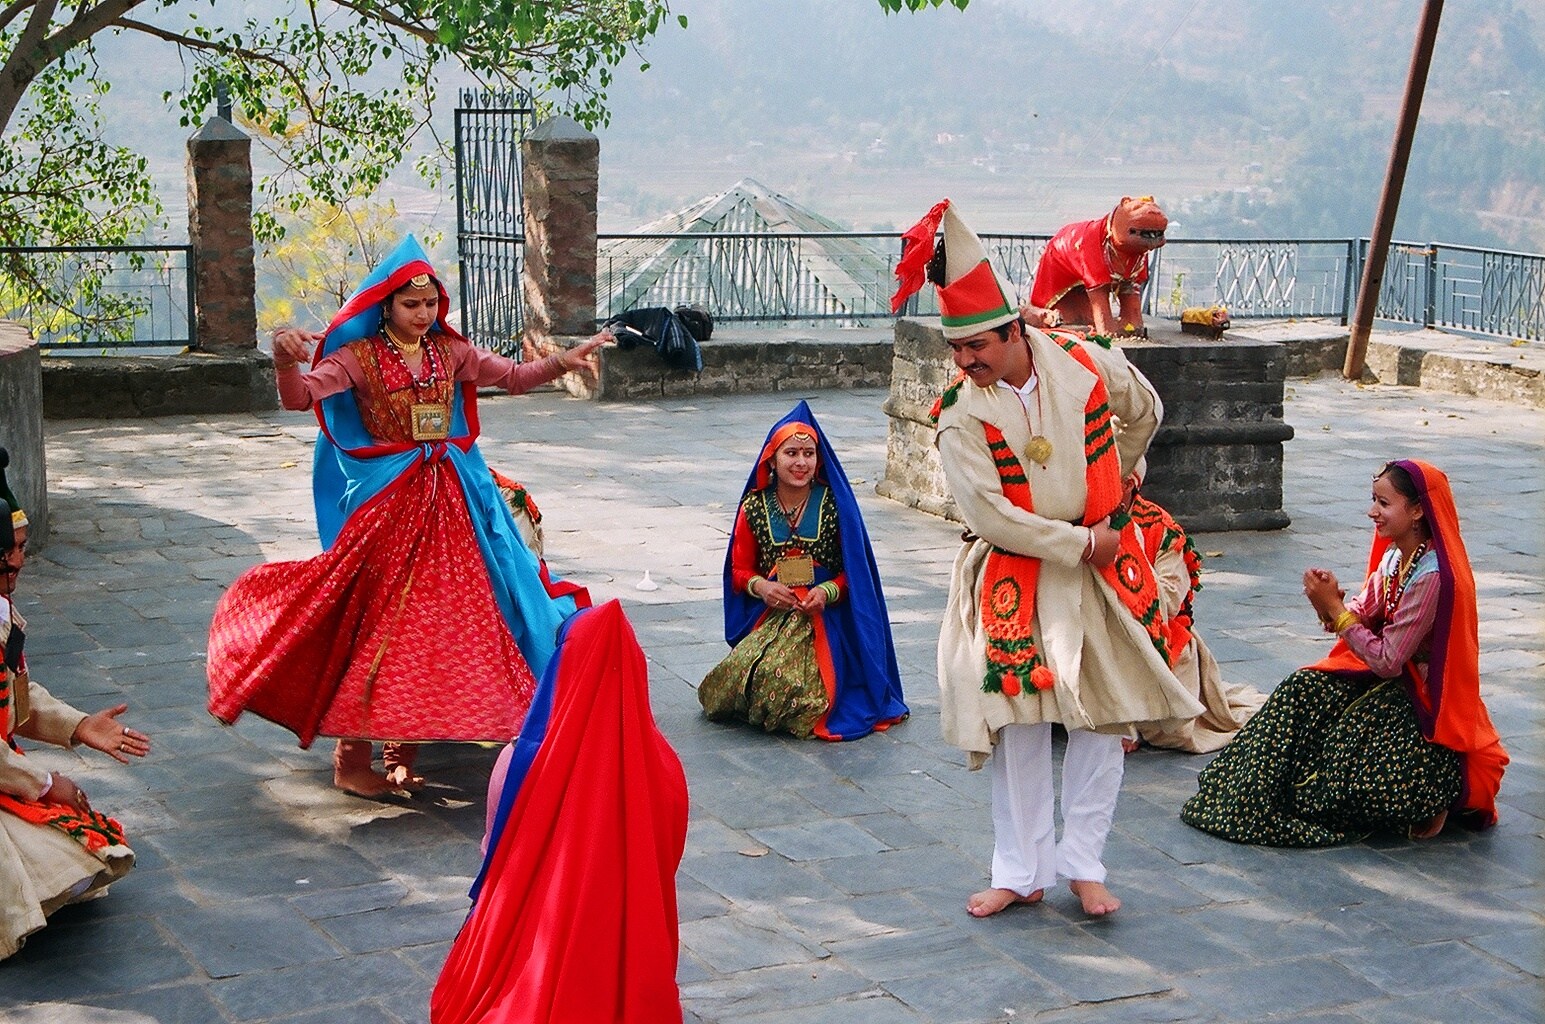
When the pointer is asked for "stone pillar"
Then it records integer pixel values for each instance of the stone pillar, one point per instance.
(220, 231)
(561, 171)
(21, 426)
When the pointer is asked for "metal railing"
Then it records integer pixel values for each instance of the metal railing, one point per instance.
(108, 298)
(1484, 291)
(826, 275)
(141, 297)
(848, 277)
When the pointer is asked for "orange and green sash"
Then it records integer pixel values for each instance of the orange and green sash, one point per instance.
(92, 830)
(1008, 601)
(1162, 533)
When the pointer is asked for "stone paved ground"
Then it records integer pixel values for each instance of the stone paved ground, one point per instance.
(820, 883)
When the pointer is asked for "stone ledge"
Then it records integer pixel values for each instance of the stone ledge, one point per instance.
(123, 387)
(744, 361)
(1491, 368)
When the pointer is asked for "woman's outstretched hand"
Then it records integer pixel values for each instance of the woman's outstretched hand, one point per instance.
(292, 345)
(581, 358)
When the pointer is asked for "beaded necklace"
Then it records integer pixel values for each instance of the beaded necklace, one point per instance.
(1401, 579)
(430, 363)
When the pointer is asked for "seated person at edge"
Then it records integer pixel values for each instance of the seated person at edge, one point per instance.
(802, 603)
(426, 617)
(55, 848)
(1177, 567)
(1388, 733)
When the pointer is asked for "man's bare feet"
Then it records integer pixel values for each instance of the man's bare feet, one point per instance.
(1097, 899)
(991, 901)
(363, 782)
(1130, 745)
(1429, 828)
(400, 776)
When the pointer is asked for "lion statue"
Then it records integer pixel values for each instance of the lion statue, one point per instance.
(1088, 262)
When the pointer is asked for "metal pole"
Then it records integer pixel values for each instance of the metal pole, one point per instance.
(1389, 201)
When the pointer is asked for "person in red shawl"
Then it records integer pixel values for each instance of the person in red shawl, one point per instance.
(1389, 732)
(574, 912)
(426, 617)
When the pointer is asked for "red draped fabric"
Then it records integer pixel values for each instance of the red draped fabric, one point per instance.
(397, 628)
(575, 921)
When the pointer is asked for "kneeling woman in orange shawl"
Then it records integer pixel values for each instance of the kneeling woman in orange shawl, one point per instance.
(1387, 733)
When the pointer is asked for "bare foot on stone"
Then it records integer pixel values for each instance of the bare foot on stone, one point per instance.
(363, 782)
(400, 776)
(1097, 900)
(991, 901)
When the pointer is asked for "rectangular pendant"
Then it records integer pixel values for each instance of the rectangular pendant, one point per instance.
(431, 421)
(795, 570)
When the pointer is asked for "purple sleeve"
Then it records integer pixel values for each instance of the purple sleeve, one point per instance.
(1404, 635)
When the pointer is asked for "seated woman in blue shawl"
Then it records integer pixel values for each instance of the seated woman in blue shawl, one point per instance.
(426, 617)
(802, 604)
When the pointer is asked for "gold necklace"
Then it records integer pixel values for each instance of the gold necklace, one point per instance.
(407, 348)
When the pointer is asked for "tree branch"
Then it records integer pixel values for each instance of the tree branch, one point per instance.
(12, 11)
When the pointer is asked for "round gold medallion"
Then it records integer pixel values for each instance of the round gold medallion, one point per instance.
(1039, 449)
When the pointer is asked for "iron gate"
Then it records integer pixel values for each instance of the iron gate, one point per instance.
(490, 225)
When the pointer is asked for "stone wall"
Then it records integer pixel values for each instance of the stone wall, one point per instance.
(115, 387)
(1216, 462)
(748, 360)
(21, 426)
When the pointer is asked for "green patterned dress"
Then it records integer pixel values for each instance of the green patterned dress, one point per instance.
(1331, 758)
(773, 678)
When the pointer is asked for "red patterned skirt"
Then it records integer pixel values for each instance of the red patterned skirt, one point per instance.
(392, 634)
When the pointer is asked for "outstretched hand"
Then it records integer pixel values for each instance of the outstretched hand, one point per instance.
(582, 358)
(293, 345)
(102, 731)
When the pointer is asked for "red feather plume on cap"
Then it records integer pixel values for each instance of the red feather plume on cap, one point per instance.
(917, 246)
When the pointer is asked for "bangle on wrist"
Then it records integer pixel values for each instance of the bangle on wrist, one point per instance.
(48, 785)
(1344, 621)
(751, 586)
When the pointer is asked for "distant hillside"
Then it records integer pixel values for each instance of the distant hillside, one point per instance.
(1243, 116)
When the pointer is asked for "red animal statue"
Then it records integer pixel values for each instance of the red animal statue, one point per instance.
(1087, 263)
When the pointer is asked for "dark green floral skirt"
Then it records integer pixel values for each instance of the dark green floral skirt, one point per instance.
(1329, 759)
(770, 679)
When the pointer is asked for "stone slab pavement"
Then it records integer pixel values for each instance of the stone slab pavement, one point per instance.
(820, 883)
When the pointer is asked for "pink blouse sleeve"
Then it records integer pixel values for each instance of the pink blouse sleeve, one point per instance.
(1404, 635)
(488, 370)
(339, 371)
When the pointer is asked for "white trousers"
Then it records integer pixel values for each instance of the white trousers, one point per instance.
(1026, 855)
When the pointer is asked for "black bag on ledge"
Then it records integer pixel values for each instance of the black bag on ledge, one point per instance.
(673, 336)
